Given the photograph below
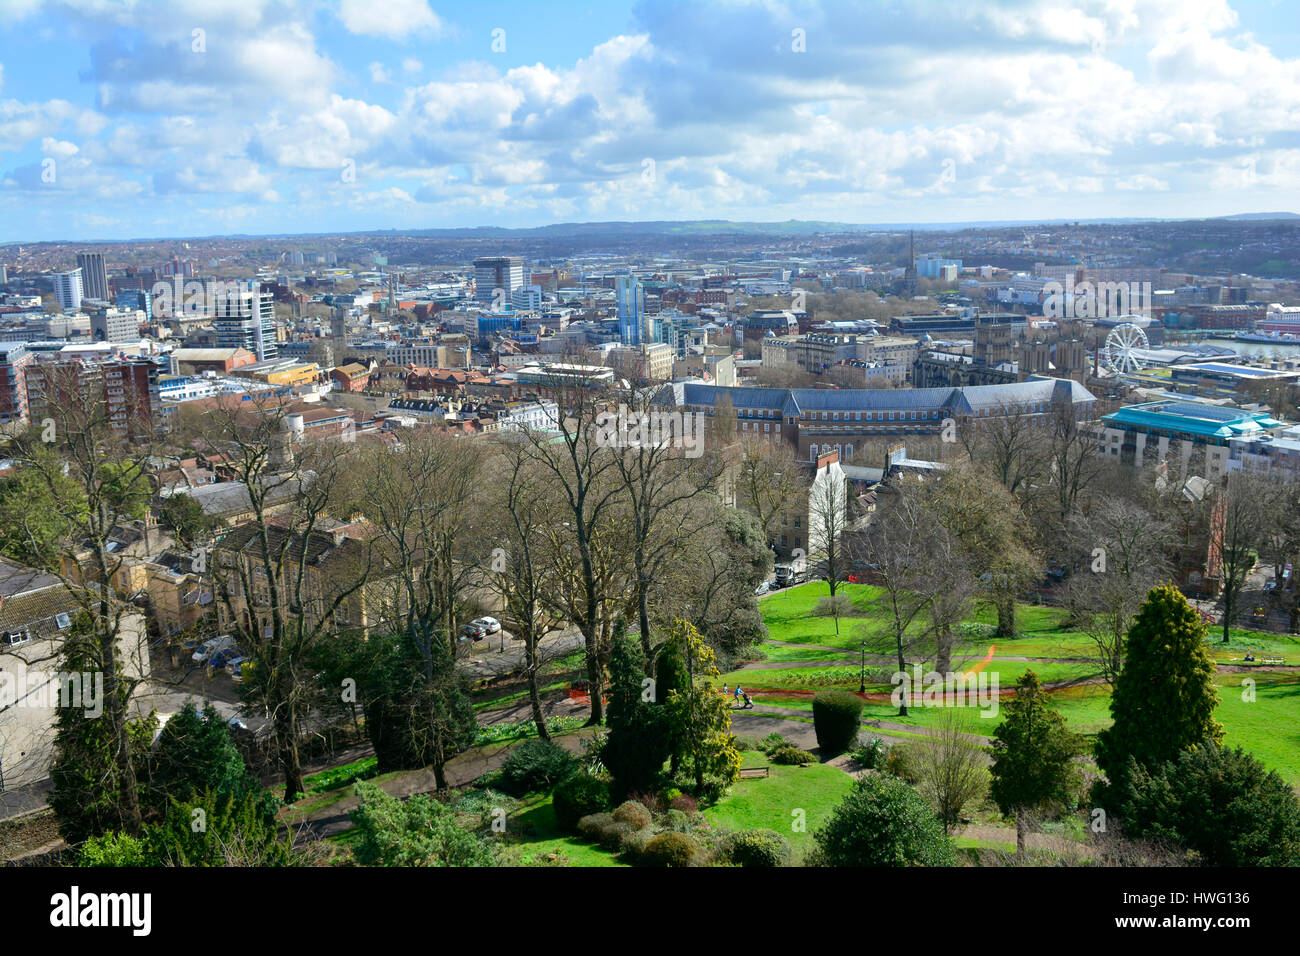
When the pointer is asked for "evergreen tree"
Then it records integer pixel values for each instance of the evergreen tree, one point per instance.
(638, 743)
(1033, 757)
(1164, 697)
(195, 754)
(700, 715)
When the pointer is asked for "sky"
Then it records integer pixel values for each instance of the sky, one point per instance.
(134, 118)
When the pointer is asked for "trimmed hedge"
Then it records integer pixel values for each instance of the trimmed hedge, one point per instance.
(791, 754)
(634, 813)
(837, 714)
(756, 848)
(669, 849)
(580, 795)
(589, 827)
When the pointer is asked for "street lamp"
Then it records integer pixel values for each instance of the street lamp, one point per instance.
(862, 678)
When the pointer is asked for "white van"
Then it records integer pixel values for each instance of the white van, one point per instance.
(210, 647)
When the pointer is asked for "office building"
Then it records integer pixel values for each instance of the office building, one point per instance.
(137, 299)
(14, 361)
(246, 320)
(491, 273)
(631, 310)
(94, 275)
(68, 289)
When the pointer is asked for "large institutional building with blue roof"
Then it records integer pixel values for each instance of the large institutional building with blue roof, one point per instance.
(817, 420)
(1205, 437)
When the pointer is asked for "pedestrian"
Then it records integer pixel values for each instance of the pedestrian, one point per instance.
(738, 693)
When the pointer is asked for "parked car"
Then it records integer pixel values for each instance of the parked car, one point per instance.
(239, 667)
(224, 656)
(212, 646)
(474, 631)
(763, 588)
(490, 625)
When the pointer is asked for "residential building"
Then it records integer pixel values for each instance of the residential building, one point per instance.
(69, 290)
(94, 275)
(246, 320)
(493, 273)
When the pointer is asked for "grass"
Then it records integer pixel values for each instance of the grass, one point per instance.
(770, 802)
(539, 837)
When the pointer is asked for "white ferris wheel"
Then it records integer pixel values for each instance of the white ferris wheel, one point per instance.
(1125, 348)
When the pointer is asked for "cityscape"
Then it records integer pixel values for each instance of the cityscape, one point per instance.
(651, 436)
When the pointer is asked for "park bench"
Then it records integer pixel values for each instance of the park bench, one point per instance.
(753, 772)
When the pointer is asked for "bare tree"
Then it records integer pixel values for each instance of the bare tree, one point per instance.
(767, 480)
(952, 766)
(1236, 529)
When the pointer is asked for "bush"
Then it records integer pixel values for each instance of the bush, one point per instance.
(577, 797)
(685, 803)
(1219, 802)
(113, 849)
(670, 849)
(633, 844)
(903, 762)
(772, 742)
(756, 848)
(536, 765)
(677, 821)
(883, 822)
(791, 754)
(634, 813)
(589, 827)
(836, 718)
(612, 833)
(870, 754)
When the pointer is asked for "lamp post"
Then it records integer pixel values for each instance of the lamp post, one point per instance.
(862, 674)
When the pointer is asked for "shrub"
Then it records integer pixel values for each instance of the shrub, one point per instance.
(633, 843)
(756, 848)
(113, 849)
(652, 801)
(791, 754)
(870, 754)
(633, 813)
(536, 765)
(612, 833)
(902, 762)
(685, 803)
(669, 795)
(670, 849)
(577, 797)
(883, 822)
(836, 717)
(772, 742)
(1219, 802)
(677, 820)
(591, 825)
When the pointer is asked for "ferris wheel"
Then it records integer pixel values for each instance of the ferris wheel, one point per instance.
(1123, 347)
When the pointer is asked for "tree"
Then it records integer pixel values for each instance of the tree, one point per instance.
(276, 600)
(195, 754)
(952, 766)
(883, 822)
(94, 481)
(419, 832)
(767, 480)
(900, 549)
(838, 606)
(185, 517)
(1236, 528)
(638, 743)
(39, 509)
(415, 716)
(699, 715)
(1164, 699)
(1033, 757)
(521, 569)
(218, 830)
(660, 482)
(1222, 804)
(1121, 555)
(828, 519)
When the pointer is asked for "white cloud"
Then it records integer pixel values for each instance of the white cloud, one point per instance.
(395, 19)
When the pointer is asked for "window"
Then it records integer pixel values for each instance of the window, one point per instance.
(14, 638)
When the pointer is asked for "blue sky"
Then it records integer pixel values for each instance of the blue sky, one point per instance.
(199, 117)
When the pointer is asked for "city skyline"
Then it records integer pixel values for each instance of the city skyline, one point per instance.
(193, 119)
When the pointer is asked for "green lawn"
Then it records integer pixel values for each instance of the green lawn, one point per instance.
(769, 802)
(533, 833)
(1266, 726)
